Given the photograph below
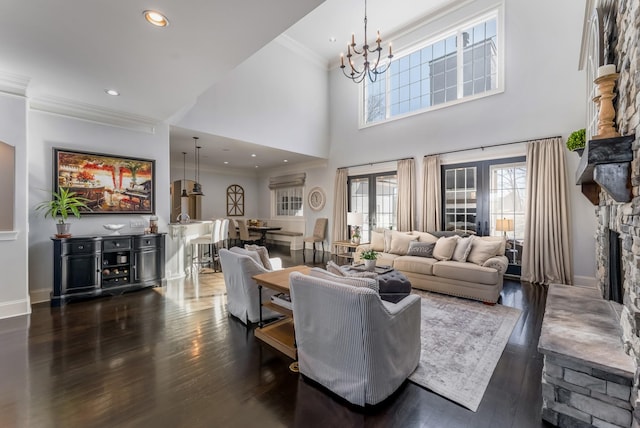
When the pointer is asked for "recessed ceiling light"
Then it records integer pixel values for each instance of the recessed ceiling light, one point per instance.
(332, 39)
(226, 150)
(111, 92)
(256, 166)
(154, 17)
(253, 155)
(226, 162)
(286, 160)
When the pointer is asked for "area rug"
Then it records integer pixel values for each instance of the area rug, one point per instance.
(462, 341)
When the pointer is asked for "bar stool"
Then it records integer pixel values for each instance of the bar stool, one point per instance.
(198, 258)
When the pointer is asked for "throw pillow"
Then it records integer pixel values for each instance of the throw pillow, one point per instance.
(400, 242)
(334, 268)
(421, 249)
(263, 253)
(444, 248)
(425, 236)
(482, 250)
(253, 254)
(463, 248)
(388, 235)
(377, 241)
(353, 281)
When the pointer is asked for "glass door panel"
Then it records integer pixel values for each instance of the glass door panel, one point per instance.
(375, 196)
(359, 202)
(386, 202)
(460, 202)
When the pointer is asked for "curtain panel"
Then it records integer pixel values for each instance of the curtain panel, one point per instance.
(340, 205)
(406, 194)
(546, 251)
(432, 198)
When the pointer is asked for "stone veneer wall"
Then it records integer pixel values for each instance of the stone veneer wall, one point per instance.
(622, 24)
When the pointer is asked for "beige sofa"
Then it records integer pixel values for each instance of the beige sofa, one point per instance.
(471, 267)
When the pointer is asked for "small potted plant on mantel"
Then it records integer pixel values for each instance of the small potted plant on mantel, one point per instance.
(369, 257)
(64, 202)
(577, 141)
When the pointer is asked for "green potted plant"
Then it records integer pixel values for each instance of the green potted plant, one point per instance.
(577, 141)
(64, 202)
(369, 257)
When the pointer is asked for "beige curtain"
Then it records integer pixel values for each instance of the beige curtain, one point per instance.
(546, 250)
(340, 206)
(406, 194)
(431, 200)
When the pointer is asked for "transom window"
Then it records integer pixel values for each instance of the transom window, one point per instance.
(458, 65)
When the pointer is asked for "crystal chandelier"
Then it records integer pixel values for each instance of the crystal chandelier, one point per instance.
(369, 69)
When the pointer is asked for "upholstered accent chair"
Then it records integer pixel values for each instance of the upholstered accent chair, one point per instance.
(319, 235)
(238, 267)
(352, 342)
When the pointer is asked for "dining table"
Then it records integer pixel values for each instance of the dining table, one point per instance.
(263, 231)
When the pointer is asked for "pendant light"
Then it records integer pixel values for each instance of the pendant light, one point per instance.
(184, 175)
(197, 188)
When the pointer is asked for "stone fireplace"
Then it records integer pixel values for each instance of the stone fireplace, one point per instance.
(591, 344)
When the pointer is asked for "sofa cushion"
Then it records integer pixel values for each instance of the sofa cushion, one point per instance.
(414, 264)
(386, 259)
(388, 234)
(421, 249)
(482, 250)
(463, 248)
(444, 248)
(425, 236)
(468, 272)
(263, 253)
(400, 242)
(346, 280)
(377, 241)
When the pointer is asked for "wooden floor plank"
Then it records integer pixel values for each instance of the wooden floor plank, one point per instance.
(174, 357)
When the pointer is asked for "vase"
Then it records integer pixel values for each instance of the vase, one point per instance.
(370, 265)
(355, 240)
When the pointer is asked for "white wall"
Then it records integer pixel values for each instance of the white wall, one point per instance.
(47, 131)
(214, 186)
(14, 296)
(544, 96)
(275, 98)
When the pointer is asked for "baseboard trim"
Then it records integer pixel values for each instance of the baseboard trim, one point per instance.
(40, 295)
(585, 281)
(15, 308)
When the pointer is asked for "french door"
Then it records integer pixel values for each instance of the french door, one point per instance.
(487, 198)
(375, 196)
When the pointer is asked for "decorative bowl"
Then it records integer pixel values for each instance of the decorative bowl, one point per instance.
(113, 227)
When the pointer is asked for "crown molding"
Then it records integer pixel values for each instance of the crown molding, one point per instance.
(13, 84)
(301, 50)
(292, 169)
(92, 113)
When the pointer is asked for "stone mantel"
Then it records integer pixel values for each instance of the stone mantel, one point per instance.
(605, 164)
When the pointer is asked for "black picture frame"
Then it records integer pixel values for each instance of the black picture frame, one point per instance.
(113, 184)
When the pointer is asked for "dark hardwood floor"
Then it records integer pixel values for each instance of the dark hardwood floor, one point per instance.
(174, 358)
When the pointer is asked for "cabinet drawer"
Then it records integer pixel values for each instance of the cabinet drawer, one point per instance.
(80, 247)
(140, 242)
(116, 244)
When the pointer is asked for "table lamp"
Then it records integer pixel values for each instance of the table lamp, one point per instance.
(505, 225)
(354, 219)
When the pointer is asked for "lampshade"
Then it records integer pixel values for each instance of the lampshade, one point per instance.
(354, 219)
(504, 225)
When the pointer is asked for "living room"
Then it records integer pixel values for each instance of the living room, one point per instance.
(300, 105)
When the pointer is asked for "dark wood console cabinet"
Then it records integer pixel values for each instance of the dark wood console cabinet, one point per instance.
(90, 266)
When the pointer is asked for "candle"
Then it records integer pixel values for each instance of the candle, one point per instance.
(341, 59)
(607, 69)
(353, 39)
(390, 54)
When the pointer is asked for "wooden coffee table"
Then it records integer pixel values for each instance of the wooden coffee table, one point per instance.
(280, 334)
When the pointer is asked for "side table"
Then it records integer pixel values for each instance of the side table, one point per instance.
(344, 249)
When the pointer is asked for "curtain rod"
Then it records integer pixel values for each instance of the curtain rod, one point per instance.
(374, 163)
(493, 145)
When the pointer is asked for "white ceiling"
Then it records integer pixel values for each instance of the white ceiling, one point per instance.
(75, 49)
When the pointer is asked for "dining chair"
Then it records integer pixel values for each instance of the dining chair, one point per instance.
(319, 235)
(234, 236)
(245, 235)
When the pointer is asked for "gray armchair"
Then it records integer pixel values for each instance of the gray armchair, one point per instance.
(352, 342)
(242, 291)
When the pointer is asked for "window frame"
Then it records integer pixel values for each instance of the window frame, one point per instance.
(274, 203)
(371, 222)
(496, 12)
